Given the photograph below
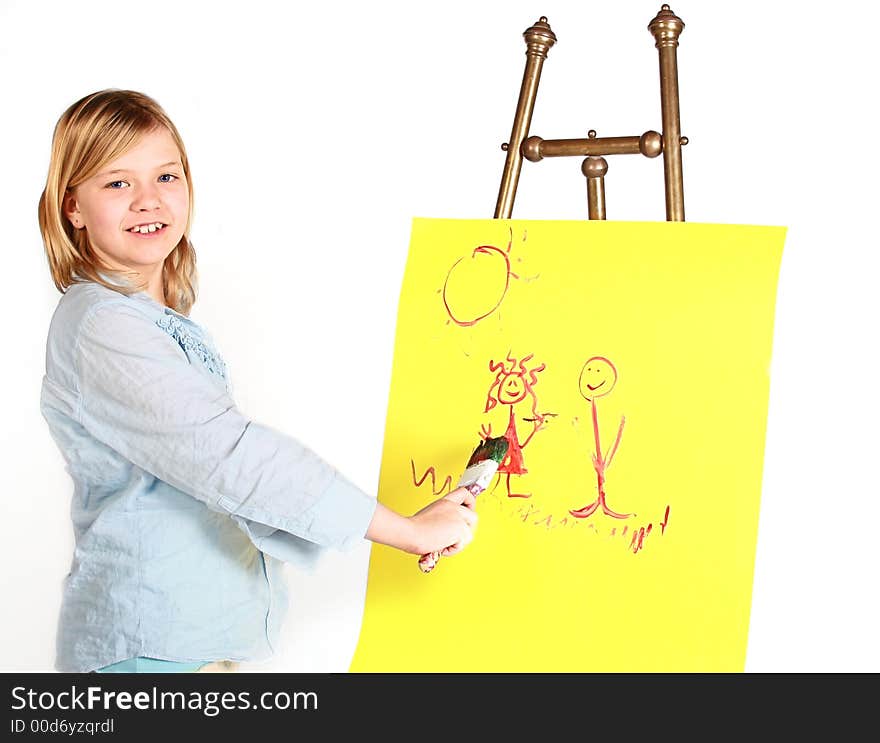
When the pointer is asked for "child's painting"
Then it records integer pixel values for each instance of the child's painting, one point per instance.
(627, 365)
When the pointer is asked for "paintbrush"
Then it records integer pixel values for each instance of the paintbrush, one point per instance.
(480, 470)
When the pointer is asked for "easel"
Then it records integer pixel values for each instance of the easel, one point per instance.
(666, 28)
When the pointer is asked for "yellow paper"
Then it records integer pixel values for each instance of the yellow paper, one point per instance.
(654, 338)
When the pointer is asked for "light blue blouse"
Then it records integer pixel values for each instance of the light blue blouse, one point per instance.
(182, 507)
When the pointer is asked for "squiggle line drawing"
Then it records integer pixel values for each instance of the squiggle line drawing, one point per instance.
(447, 483)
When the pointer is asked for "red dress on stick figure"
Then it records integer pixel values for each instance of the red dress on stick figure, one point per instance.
(597, 379)
(512, 386)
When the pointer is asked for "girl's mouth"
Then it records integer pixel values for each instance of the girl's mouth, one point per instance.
(148, 230)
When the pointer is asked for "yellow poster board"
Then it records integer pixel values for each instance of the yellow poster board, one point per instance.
(627, 364)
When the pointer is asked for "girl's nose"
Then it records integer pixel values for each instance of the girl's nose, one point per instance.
(146, 198)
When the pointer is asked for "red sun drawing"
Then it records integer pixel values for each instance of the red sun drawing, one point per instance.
(476, 284)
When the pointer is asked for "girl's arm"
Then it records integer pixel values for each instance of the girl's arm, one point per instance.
(445, 526)
(136, 392)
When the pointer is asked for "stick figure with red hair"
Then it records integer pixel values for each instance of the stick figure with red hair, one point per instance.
(512, 385)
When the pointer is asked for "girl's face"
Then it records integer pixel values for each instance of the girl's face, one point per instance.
(144, 187)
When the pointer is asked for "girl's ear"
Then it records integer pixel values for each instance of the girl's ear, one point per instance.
(71, 210)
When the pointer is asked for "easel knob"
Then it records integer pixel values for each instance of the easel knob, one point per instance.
(651, 144)
(595, 168)
(539, 38)
(666, 27)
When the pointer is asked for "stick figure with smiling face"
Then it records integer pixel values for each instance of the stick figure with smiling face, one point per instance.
(597, 379)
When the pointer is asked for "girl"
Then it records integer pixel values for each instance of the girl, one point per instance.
(183, 509)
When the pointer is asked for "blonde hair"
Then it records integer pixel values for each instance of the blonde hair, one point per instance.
(91, 133)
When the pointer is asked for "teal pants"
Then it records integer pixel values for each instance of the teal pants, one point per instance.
(151, 665)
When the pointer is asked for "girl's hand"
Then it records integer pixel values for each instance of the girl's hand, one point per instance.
(446, 525)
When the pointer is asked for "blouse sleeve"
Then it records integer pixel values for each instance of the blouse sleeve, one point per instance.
(141, 396)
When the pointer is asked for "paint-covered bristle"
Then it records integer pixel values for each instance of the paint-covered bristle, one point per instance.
(494, 449)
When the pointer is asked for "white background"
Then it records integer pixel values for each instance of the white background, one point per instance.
(316, 131)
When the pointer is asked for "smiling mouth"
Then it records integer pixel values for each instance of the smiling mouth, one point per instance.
(145, 232)
(593, 389)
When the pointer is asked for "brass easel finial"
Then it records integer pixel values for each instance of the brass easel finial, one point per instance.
(539, 38)
(666, 27)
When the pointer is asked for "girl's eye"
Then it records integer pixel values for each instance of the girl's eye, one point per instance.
(168, 175)
(114, 185)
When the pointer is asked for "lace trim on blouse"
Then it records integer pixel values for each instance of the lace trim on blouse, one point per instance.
(191, 345)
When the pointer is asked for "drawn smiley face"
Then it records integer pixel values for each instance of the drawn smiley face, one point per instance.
(598, 377)
(511, 390)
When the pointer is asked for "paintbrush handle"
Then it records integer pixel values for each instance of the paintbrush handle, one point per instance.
(429, 560)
